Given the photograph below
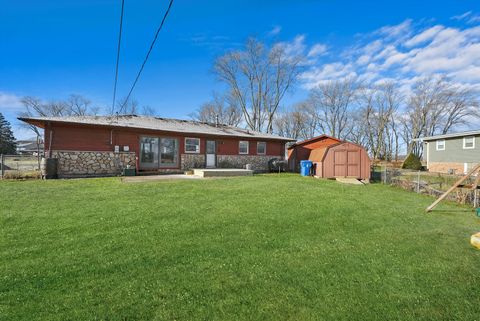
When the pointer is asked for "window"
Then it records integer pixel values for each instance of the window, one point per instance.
(261, 148)
(243, 147)
(469, 142)
(441, 144)
(192, 145)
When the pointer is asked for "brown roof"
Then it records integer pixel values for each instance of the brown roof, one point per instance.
(316, 155)
(156, 123)
(323, 136)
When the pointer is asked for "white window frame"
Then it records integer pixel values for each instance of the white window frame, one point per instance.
(197, 151)
(465, 141)
(248, 147)
(264, 149)
(437, 144)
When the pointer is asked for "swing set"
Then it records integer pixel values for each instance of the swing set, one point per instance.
(475, 238)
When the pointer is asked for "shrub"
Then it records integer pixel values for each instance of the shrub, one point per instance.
(412, 162)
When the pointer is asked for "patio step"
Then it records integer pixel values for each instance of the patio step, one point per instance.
(222, 172)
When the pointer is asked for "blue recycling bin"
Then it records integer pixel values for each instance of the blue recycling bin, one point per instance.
(305, 167)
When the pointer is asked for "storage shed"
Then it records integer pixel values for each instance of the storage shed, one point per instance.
(301, 150)
(343, 159)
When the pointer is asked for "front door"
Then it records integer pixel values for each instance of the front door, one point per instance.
(211, 153)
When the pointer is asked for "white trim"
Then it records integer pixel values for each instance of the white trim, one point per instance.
(438, 141)
(264, 150)
(428, 154)
(248, 147)
(464, 142)
(197, 151)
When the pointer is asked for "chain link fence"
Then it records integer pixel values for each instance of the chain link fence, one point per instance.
(19, 166)
(422, 182)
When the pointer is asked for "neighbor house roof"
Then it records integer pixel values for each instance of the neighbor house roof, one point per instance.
(452, 135)
(155, 123)
(323, 136)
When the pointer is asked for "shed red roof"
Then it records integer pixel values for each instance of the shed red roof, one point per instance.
(308, 141)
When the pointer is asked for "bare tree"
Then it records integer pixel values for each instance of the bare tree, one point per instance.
(258, 79)
(295, 123)
(75, 105)
(334, 102)
(222, 108)
(130, 107)
(435, 107)
(378, 106)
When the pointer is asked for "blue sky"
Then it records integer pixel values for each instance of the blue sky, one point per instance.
(51, 49)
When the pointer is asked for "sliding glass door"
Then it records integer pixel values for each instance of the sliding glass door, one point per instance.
(168, 152)
(149, 152)
(158, 152)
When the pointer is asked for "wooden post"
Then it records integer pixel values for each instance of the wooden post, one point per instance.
(475, 190)
(457, 183)
(418, 182)
(2, 161)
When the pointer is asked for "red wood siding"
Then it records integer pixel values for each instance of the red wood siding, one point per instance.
(344, 160)
(94, 138)
(302, 151)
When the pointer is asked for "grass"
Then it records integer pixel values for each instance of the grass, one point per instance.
(273, 247)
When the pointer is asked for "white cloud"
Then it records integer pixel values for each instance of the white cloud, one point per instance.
(295, 47)
(317, 50)
(275, 30)
(299, 48)
(406, 52)
(462, 16)
(396, 30)
(10, 102)
(424, 36)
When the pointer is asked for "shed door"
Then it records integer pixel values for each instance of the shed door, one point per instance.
(346, 163)
(353, 163)
(340, 162)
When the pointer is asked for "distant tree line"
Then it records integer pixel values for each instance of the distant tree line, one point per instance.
(383, 117)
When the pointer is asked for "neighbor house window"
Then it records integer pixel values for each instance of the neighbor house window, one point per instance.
(441, 144)
(261, 148)
(192, 145)
(243, 147)
(469, 142)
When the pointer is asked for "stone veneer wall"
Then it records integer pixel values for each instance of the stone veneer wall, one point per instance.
(259, 162)
(189, 161)
(440, 167)
(82, 164)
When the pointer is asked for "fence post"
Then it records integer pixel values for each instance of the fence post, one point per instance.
(418, 182)
(2, 161)
(385, 175)
(475, 197)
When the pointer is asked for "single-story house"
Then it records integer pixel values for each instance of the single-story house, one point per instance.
(301, 150)
(456, 152)
(104, 145)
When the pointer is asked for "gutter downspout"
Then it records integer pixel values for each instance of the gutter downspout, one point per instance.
(50, 139)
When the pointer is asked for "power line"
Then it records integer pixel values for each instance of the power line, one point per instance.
(148, 54)
(118, 57)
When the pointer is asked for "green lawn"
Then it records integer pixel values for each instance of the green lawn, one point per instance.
(273, 247)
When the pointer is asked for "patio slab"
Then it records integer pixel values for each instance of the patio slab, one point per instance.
(153, 178)
(222, 172)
